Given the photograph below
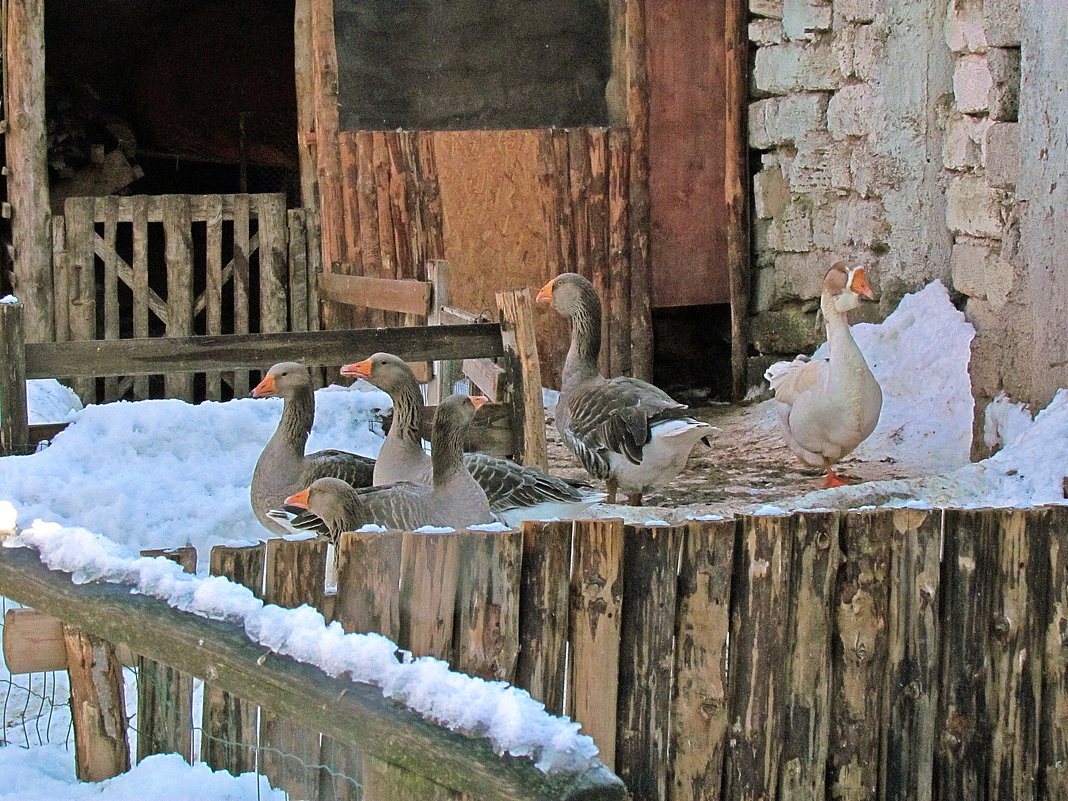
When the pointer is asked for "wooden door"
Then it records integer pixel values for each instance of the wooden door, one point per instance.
(687, 135)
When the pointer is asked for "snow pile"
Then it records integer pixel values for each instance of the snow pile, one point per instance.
(48, 401)
(1004, 421)
(508, 717)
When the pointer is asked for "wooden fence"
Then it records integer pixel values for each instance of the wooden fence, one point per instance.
(887, 654)
(179, 265)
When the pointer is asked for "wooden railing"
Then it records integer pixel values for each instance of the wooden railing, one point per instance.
(885, 654)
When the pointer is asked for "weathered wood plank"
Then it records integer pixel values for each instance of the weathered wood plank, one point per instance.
(597, 212)
(78, 213)
(241, 279)
(541, 669)
(517, 333)
(446, 373)
(61, 278)
(315, 271)
(387, 247)
(14, 419)
(367, 205)
(430, 565)
(353, 259)
(759, 616)
(357, 714)
(229, 725)
(618, 253)
(213, 287)
(327, 149)
(178, 254)
(407, 296)
(274, 307)
(304, 74)
(111, 283)
(298, 270)
(1053, 739)
(487, 603)
(647, 657)
(33, 642)
(489, 377)
(151, 355)
(139, 280)
(98, 711)
(907, 759)
(368, 582)
(594, 624)
(700, 714)
(579, 182)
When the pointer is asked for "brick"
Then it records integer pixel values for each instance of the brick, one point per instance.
(862, 222)
(763, 32)
(972, 84)
(793, 66)
(763, 293)
(968, 265)
(766, 8)
(819, 164)
(800, 275)
(1004, 100)
(963, 145)
(824, 215)
(794, 227)
(855, 110)
(770, 193)
(872, 173)
(788, 330)
(1002, 22)
(869, 51)
(860, 10)
(1001, 154)
(844, 44)
(973, 207)
(965, 29)
(803, 19)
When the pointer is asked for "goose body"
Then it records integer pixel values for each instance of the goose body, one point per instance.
(283, 467)
(828, 406)
(515, 492)
(453, 498)
(625, 431)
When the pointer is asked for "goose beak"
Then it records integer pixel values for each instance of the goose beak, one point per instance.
(860, 285)
(545, 294)
(478, 401)
(266, 388)
(299, 500)
(357, 369)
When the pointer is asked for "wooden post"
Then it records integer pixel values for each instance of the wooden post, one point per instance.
(430, 564)
(81, 264)
(164, 695)
(178, 253)
(98, 710)
(327, 148)
(517, 331)
(700, 721)
(596, 600)
(735, 186)
(647, 658)
(228, 739)
(1053, 732)
(543, 612)
(14, 422)
(33, 642)
(619, 252)
(446, 373)
(27, 166)
(273, 263)
(304, 71)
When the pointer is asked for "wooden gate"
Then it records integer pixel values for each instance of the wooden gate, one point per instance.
(180, 265)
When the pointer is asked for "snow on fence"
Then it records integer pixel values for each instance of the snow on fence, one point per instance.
(882, 654)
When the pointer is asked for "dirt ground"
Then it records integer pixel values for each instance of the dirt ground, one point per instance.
(747, 465)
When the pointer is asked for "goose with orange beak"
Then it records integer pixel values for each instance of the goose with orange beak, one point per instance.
(453, 498)
(625, 431)
(828, 406)
(515, 492)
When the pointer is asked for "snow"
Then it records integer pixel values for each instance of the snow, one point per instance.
(8, 299)
(164, 473)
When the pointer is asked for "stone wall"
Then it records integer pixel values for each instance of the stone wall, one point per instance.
(471, 63)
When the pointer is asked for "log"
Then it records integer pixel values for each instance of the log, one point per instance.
(98, 710)
(700, 713)
(1053, 734)
(228, 736)
(304, 71)
(351, 712)
(14, 420)
(430, 565)
(618, 253)
(543, 612)
(178, 253)
(33, 642)
(647, 658)
(517, 334)
(327, 148)
(594, 625)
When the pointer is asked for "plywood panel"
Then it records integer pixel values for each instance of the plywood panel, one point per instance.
(687, 127)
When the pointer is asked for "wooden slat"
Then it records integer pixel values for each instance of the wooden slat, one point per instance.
(1053, 740)
(858, 673)
(647, 657)
(816, 556)
(61, 278)
(490, 378)
(618, 253)
(430, 195)
(907, 760)
(178, 254)
(111, 283)
(759, 614)
(139, 279)
(362, 150)
(242, 254)
(200, 206)
(597, 212)
(78, 213)
(272, 263)
(14, 420)
(327, 152)
(228, 737)
(386, 235)
(430, 565)
(298, 271)
(295, 574)
(517, 332)
(736, 184)
(543, 612)
(351, 262)
(594, 624)
(579, 170)
(165, 694)
(304, 73)
(98, 713)
(409, 296)
(446, 373)
(700, 703)
(487, 604)
(315, 271)
(213, 287)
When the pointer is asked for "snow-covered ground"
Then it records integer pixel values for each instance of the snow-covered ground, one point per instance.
(128, 476)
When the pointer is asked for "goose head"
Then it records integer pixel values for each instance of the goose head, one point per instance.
(283, 380)
(330, 499)
(569, 293)
(844, 286)
(384, 370)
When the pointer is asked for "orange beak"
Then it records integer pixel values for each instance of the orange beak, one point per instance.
(299, 500)
(478, 401)
(266, 388)
(860, 284)
(545, 294)
(357, 369)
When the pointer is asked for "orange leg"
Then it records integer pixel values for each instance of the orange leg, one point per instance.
(833, 479)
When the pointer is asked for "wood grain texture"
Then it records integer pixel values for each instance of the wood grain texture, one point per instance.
(274, 306)
(368, 582)
(14, 419)
(98, 712)
(430, 566)
(618, 253)
(178, 254)
(33, 642)
(327, 152)
(517, 333)
(81, 263)
(1053, 740)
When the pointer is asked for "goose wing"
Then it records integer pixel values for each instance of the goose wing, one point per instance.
(510, 486)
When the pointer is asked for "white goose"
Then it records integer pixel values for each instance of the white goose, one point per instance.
(623, 430)
(828, 406)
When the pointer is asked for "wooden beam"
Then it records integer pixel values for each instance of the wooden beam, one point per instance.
(388, 294)
(327, 147)
(27, 178)
(14, 424)
(147, 356)
(490, 378)
(517, 331)
(304, 72)
(98, 709)
(735, 187)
